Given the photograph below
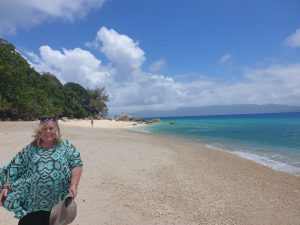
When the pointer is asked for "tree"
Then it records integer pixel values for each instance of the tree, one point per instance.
(97, 102)
(75, 98)
(17, 85)
(54, 90)
(26, 94)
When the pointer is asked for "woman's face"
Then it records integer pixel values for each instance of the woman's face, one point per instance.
(48, 133)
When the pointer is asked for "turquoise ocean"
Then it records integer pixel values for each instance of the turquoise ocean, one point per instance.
(269, 139)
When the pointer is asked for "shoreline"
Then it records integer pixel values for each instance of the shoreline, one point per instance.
(203, 146)
(150, 179)
(259, 159)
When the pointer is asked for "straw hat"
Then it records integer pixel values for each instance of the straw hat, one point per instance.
(64, 212)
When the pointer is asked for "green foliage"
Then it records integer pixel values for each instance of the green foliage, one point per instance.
(4, 105)
(75, 96)
(54, 90)
(97, 102)
(25, 94)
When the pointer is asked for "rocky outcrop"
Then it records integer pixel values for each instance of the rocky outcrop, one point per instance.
(152, 121)
(130, 118)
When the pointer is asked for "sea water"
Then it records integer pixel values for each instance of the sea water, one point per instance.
(269, 139)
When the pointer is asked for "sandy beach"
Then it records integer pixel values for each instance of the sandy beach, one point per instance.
(135, 178)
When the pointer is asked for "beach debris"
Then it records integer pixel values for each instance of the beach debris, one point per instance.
(64, 119)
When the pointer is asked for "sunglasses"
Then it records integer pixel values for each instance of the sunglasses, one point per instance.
(47, 119)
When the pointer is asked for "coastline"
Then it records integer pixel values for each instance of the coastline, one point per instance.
(261, 160)
(151, 179)
(274, 157)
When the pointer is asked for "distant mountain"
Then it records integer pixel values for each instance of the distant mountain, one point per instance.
(219, 110)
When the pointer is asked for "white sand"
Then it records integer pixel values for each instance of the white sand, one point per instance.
(131, 178)
(109, 124)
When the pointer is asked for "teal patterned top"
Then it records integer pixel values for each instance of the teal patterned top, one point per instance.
(40, 177)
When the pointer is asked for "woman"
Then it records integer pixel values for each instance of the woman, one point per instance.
(40, 175)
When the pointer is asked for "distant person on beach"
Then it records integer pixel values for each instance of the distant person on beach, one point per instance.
(92, 121)
(40, 175)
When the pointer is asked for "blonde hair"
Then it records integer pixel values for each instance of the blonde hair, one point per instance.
(37, 141)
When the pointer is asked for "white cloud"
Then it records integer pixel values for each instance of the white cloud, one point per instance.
(23, 14)
(278, 84)
(120, 49)
(293, 40)
(33, 57)
(225, 58)
(157, 66)
(275, 83)
(74, 65)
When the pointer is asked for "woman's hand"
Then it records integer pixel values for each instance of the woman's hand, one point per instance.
(75, 178)
(73, 191)
(3, 195)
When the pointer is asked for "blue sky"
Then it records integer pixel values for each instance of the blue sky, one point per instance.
(164, 54)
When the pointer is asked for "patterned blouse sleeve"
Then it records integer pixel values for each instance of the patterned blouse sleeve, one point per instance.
(74, 158)
(13, 170)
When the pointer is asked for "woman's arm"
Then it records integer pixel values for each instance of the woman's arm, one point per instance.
(4, 192)
(11, 172)
(75, 178)
(75, 165)
(16, 168)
